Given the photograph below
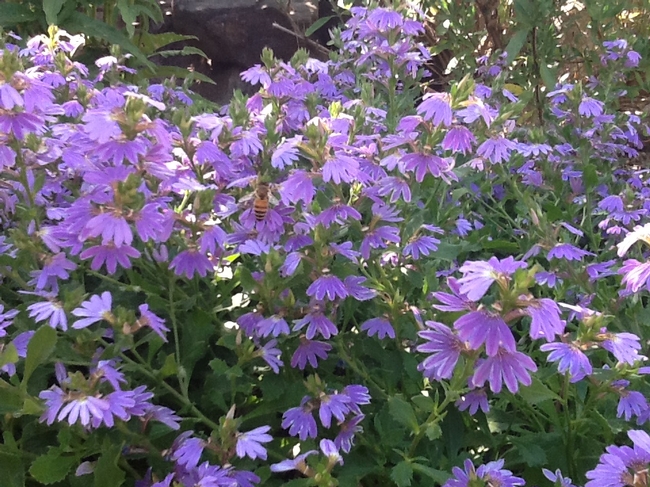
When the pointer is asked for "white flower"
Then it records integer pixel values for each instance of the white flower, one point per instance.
(639, 233)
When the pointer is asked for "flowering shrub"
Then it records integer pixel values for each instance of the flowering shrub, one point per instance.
(337, 281)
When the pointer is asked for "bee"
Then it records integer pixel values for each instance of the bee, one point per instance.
(261, 203)
(262, 199)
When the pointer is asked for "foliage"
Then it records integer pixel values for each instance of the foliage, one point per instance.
(336, 281)
(115, 26)
(544, 39)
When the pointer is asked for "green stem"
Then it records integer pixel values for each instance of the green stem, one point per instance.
(177, 344)
(357, 368)
(438, 413)
(144, 367)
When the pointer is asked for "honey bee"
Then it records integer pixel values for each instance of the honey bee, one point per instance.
(262, 199)
(261, 203)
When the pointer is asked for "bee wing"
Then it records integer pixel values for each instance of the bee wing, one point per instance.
(247, 198)
(273, 200)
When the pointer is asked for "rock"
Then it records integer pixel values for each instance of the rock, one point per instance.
(233, 33)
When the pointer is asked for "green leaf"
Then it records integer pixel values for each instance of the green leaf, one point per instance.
(516, 44)
(438, 476)
(52, 9)
(10, 400)
(317, 25)
(530, 450)
(81, 23)
(433, 431)
(402, 474)
(107, 473)
(525, 13)
(52, 467)
(9, 355)
(129, 15)
(14, 13)
(537, 392)
(549, 77)
(39, 349)
(403, 413)
(590, 177)
(12, 473)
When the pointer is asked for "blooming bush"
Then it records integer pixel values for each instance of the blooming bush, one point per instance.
(337, 281)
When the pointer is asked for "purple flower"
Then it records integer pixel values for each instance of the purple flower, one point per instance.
(309, 351)
(297, 463)
(479, 327)
(111, 226)
(590, 107)
(331, 451)
(297, 187)
(478, 276)
(557, 478)
(445, 349)
(570, 358)
(337, 213)
(340, 168)
(55, 266)
(546, 322)
(317, 322)
(457, 301)
(327, 285)
(496, 149)
(375, 239)
(635, 275)
(509, 367)
(336, 405)
(473, 400)
(619, 466)
(249, 443)
(358, 395)
(624, 346)
(423, 164)
(271, 355)
(190, 262)
(348, 429)
(567, 252)
(274, 325)
(111, 256)
(436, 107)
(491, 473)
(80, 407)
(157, 324)
(96, 309)
(421, 245)
(187, 451)
(355, 289)
(631, 403)
(51, 309)
(300, 420)
(378, 326)
(291, 263)
(459, 139)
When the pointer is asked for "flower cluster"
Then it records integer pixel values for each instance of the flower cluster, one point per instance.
(290, 232)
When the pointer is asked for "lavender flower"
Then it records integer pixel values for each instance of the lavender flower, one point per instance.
(478, 276)
(570, 359)
(96, 309)
(327, 285)
(473, 400)
(378, 326)
(445, 349)
(300, 421)
(309, 351)
(509, 367)
(249, 443)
